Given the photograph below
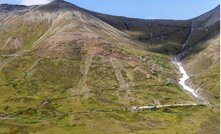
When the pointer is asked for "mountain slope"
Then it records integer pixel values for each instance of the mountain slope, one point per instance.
(65, 70)
(200, 39)
(203, 28)
(155, 34)
(200, 53)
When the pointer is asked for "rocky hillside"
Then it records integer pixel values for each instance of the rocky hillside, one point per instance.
(198, 43)
(202, 54)
(203, 28)
(64, 69)
(162, 36)
(168, 36)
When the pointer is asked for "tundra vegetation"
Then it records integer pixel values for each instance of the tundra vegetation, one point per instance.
(64, 69)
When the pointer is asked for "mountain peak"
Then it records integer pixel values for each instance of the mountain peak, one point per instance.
(57, 1)
(58, 5)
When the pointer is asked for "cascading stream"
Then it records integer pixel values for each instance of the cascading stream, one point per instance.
(183, 80)
(185, 77)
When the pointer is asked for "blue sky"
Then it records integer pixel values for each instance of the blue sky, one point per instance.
(148, 9)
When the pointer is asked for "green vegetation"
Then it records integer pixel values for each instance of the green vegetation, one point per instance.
(206, 68)
(71, 73)
(166, 120)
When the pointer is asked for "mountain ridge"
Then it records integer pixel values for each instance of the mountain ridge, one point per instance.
(57, 2)
(75, 71)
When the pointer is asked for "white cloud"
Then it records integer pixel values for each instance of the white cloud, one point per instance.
(34, 2)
